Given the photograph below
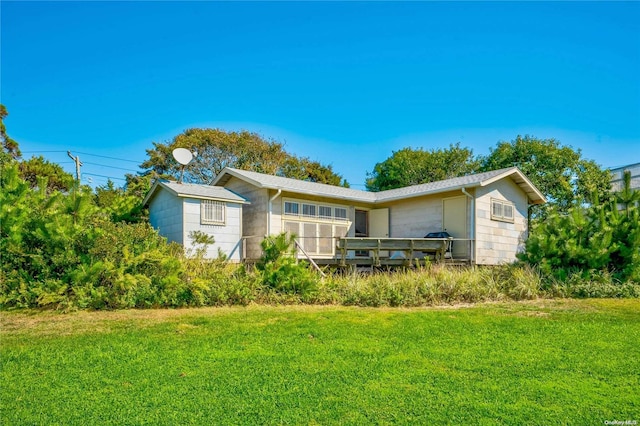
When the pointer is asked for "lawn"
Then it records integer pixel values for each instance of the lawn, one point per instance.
(541, 362)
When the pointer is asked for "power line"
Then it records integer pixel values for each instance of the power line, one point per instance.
(83, 153)
(103, 176)
(111, 167)
(39, 152)
(111, 158)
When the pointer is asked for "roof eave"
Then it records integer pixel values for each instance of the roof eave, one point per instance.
(261, 185)
(205, 197)
(533, 194)
(425, 193)
(154, 189)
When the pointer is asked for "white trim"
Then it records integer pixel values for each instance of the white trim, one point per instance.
(300, 216)
(501, 217)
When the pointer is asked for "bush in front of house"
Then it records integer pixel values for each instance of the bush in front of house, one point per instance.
(281, 270)
(594, 243)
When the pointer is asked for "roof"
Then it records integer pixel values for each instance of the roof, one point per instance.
(627, 167)
(470, 181)
(261, 180)
(191, 190)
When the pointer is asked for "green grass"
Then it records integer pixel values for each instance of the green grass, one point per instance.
(541, 362)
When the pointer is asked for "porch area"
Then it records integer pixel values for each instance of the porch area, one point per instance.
(380, 252)
(401, 251)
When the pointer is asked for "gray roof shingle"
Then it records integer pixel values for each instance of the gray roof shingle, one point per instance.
(294, 185)
(197, 191)
(261, 180)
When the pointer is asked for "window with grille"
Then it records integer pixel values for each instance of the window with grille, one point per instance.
(292, 209)
(324, 212)
(340, 213)
(309, 210)
(315, 225)
(502, 210)
(212, 212)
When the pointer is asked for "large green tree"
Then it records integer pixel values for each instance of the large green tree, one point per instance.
(304, 168)
(559, 171)
(416, 166)
(36, 168)
(216, 149)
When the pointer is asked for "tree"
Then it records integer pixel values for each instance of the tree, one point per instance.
(304, 168)
(216, 149)
(558, 171)
(138, 185)
(9, 146)
(120, 204)
(37, 167)
(416, 166)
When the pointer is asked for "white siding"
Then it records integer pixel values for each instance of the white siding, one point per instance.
(498, 242)
(416, 217)
(226, 236)
(165, 215)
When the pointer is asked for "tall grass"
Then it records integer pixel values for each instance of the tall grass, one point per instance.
(217, 283)
(429, 286)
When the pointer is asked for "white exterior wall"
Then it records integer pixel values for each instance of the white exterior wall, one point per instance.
(414, 218)
(227, 236)
(498, 242)
(165, 215)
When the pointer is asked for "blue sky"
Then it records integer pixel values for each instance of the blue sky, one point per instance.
(342, 83)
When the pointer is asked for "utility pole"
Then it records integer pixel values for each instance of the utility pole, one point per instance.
(76, 159)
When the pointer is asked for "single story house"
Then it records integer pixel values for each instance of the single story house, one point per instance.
(178, 209)
(486, 213)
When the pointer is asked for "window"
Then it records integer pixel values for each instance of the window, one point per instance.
(212, 212)
(340, 213)
(291, 208)
(324, 212)
(309, 210)
(292, 228)
(309, 239)
(502, 210)
(315, 225)
(325, 245)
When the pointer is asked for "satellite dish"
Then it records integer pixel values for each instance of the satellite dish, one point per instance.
(182, 156)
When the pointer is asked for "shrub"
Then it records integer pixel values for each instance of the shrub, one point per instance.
(602, 237)
(282, 271)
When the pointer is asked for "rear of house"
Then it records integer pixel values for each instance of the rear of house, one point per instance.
(485, 213)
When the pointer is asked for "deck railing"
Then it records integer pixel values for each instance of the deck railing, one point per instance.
(378, 251)
(384, 246)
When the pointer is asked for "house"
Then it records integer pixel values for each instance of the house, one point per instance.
(178, 209)
(617, 177)
(486, 213)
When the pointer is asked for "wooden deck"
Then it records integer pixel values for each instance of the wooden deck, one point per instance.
(391, 251)
(371, 252)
